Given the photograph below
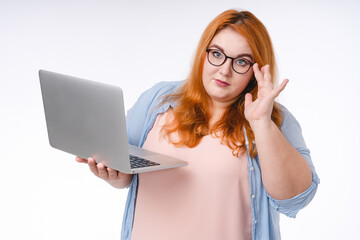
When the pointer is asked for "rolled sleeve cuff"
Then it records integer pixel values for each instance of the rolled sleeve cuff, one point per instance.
(290, 207)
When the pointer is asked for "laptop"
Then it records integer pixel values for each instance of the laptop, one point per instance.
(87, 119)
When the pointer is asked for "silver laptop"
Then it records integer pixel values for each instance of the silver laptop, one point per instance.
(87, 119)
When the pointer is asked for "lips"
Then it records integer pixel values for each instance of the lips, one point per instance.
(221, 83)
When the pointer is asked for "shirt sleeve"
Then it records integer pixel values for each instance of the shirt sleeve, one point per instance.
(292, 131)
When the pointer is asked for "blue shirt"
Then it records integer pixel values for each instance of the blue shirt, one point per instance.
(264, 209)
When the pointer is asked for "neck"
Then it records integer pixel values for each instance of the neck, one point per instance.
(217, 111)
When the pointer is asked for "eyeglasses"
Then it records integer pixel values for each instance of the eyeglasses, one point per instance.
(217, 58)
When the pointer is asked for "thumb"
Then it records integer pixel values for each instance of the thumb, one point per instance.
(80, 160)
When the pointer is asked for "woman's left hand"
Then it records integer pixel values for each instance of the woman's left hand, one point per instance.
(259, 111)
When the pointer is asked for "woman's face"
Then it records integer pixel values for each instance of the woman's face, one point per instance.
(222, 83)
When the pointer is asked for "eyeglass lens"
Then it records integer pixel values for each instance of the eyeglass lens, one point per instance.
(217, 58)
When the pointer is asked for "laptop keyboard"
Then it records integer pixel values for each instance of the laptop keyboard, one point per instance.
(137, 162)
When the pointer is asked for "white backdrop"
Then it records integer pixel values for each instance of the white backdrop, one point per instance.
(45, 194)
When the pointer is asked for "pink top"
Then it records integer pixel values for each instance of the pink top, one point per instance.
(207, 199)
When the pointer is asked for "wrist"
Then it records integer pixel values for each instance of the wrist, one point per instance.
(261, 124)
(122, 182)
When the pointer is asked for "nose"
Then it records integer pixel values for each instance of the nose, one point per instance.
(225, 68)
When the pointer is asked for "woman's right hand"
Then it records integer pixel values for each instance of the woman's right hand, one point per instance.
(113, 177)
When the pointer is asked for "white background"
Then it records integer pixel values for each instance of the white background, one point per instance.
(45, 194)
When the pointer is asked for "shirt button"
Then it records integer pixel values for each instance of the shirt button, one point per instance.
(252, 168)
(255, 221)
(253, 196)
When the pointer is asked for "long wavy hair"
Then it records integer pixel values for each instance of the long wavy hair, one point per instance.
(192, 112)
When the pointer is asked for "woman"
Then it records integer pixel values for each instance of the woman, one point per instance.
(247, 158)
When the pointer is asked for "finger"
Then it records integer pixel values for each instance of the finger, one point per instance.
(265, 79)
(81, 160)
(113, 174)
(103, 173)
(92, 166)
(267, 74)
(256, 68)
(258, 74)
(248, 99)
(280, 88)
(262, 70)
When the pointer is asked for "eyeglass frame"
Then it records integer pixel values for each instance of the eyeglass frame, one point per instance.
(226, 57)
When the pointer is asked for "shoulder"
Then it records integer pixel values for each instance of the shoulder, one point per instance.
(168, 85)
(152, 96)
(163, 88)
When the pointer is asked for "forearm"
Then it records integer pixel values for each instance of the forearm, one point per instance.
(285, 172)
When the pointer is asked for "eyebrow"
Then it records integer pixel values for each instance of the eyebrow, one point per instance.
(240, 55)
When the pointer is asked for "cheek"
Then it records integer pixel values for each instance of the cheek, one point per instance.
(208, 70)
(242, 83)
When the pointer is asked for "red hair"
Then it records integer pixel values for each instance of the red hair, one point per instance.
(191, 114)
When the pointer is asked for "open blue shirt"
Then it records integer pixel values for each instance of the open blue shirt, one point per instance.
(264, 209)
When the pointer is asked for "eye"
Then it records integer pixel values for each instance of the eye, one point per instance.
(217, 54)
(241, 62)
